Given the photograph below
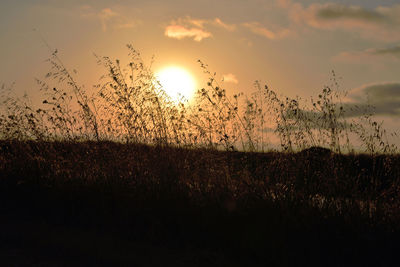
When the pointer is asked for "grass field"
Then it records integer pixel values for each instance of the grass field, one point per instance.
(105, 203)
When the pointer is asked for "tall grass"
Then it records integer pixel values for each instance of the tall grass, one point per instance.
(130, 105)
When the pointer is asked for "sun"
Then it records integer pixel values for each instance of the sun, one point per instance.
(177, 82)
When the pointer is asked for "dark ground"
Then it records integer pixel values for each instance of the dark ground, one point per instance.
(106, 204)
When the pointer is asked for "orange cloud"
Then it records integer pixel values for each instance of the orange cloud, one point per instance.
(228, 27)
(109, 18)
(105, 16)
(180, 32)
(188, 27)
(258, 29)
(230, 78)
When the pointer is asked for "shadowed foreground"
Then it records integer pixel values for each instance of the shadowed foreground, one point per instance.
(103, 203)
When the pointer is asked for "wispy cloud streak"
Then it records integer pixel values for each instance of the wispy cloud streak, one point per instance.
(196, 29)
(261, 30)
(371, 54)
(230, 78)
(180, 32)
(109, 18)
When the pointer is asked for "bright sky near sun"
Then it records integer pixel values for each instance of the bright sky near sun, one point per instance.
(177, 82)
(291, 45)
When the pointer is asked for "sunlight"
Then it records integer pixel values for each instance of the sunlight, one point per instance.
(177, 82)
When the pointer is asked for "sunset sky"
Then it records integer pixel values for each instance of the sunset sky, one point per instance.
(291, 45)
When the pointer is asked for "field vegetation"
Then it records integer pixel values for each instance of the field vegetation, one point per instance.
(126, 176)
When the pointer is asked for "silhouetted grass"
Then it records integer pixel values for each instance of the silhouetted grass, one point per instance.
(130, 106)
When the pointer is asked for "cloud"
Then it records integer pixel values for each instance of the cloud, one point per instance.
(109, 18)
(258, 29)
(230, 78)
(180, 32)
(105, 16)
(384, 98)
(284, 3)
(371, 54)
(228, 27)
(188, 27)
(336, 12)
(379, 99)
(391, 51)
(381, 23)
(352, 56)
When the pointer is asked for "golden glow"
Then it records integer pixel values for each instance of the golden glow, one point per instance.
(177, 83)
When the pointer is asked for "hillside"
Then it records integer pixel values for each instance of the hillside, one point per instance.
(105, 203)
